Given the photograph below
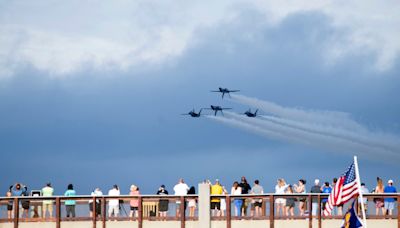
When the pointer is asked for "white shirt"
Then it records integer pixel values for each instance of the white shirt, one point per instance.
(96, 193)
(113, 192)
(280, 189)
(181, 189)
(237, 191)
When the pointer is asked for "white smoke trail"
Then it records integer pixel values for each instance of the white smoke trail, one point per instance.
(389, 142)
(256, 129)
(335, 119)
(286, 133)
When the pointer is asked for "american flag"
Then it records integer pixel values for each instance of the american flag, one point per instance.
(346, 187)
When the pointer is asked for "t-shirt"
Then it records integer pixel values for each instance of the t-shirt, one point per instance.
(113, 192)
(70, 192)
(245, 187)
(134, 202)
(162, 192)
(280, 189)
(216, 190)
(389, 189)
(96, 193)
(47, 192)
(315, 189)
(363, 191)
(257, 189)
(326, 190)
(181, 189)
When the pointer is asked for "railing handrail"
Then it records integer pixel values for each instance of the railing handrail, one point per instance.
(90, 197)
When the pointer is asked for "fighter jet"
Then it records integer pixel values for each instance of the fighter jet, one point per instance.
(216, 109)
(224, 90)
(250, 114)
(193, 113)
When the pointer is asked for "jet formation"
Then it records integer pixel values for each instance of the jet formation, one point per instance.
(217, 108)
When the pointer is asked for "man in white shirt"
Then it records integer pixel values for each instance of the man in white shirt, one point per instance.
(96, 192)
(113, 204)
(180, 189)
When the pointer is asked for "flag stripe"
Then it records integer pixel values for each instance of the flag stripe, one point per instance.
(345, 189)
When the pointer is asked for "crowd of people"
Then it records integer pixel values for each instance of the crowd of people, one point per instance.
(285, 206)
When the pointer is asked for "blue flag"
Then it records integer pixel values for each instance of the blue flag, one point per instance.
(351, 220)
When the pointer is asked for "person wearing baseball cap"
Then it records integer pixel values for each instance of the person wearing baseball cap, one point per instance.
(389, 202)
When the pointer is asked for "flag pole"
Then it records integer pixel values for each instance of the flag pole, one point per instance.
(360, 192)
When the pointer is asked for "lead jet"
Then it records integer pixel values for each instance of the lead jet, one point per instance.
(250, 114)
(193, 113)
(216, 108)
(224, 90)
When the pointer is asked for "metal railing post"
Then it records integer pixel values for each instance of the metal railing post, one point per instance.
(140, 212)
(319, 211)
(103, 211)
(310, 215)
(228, 211)
(398, 211)
(182, 210)
(58, 212)
(271, 211)
(94, 212)
(16, 212)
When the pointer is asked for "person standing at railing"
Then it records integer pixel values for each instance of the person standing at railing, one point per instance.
(113, 204)
(389, 202)
(180, 189)
(223, 201)
(290, 202)
(70, 204)
(235, 191)
(245, 190)
(301, 189)
(364, 190)
(192, 201)
(216, 189)
(315, 189)
(326, 189)
(97, 192)
(18, 190)
(9, 205)
(257, 189)
(134, 203)
(379, 202)
(163, 203)
(47, 191)
(280, 203)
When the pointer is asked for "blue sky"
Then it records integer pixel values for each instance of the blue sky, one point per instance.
(94, 97)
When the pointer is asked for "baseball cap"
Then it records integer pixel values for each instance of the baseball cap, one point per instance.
(390, 181)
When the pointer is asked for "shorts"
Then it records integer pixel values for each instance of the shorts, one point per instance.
(134, 208)
(192, 203)
(378, 203)
(290, 202)
(113, 209)
(257, 204)
(9, 207)
(389, 205)
(216, 205)
(280, 200)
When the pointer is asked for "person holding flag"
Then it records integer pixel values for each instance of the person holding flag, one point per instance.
(347, 187)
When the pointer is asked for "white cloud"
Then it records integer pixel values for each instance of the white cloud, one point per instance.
(62, 38)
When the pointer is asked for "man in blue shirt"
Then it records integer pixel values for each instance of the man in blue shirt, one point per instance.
(389, 202)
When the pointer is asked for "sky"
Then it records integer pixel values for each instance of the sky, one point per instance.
(92, 92)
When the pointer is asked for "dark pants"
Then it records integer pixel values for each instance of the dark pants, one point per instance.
(70, 210)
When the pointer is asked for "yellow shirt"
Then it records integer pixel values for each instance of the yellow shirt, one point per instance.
(216, 190)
